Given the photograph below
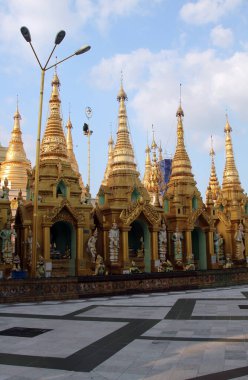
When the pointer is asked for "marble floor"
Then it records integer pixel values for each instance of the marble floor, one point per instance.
(201, 334)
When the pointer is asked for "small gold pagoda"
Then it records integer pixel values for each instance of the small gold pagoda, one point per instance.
(63, 220)
(231, 208)
(186, 217)
(15, 165)
(124, 201)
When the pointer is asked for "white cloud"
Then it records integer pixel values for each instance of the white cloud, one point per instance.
(218, 143)
(221, 37)
(210, 85)
(46, 18)
(109, 8)
(206, 11)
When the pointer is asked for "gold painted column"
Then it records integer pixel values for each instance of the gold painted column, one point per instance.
(229, 251)
(154, 248)
(46, 242)
(246, 245)
(188, 238)
(79, 259)
(105, 244)
(210, 250)
(45, 251)
(125, 248)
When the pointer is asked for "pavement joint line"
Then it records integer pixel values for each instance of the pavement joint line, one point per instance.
(86, 359)
(191, 339)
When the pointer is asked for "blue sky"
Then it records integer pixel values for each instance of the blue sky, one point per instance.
(158, 44)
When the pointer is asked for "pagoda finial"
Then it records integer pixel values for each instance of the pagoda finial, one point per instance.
(153, 145)
(160, 157)
(227, 128)
(212, 152)
(121, 95)
(180, 112)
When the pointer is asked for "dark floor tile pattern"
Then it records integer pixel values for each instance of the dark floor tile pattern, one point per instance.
(23, 332)
(88, 358)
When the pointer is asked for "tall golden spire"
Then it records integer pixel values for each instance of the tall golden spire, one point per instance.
(230, 176)
(213, 179)
(123, 155)
(16, 163)
(110, 160)
(69, 144)
(147, 166)
(181, 165)
(53, 144)
(121, 183)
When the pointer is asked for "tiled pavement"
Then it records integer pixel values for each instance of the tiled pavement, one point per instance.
(173, 335)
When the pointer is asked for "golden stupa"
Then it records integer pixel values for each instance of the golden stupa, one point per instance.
(63, 220)
(15, 166)
(185, 213)
(231, 208)
(124, 202)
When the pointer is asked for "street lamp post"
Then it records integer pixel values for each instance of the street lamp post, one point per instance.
(88, 132)
(58, 39)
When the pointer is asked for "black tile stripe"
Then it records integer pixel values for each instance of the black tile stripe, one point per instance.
(224, 375)
(182, 309)
(86, 359)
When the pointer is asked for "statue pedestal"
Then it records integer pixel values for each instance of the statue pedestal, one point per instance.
(139, 261)
(60, 268)
(115, 268)
(6, 270)
(19, 274)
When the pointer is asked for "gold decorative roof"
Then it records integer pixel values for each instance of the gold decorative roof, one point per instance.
(230, 176)
(155, 178)
(209, 197)
(53, 144)
(213, 179)
(110, 160)
(16, 164)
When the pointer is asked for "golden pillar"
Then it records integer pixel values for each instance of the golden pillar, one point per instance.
(246, 245)
(154, 248)
(188, 238)
(210, 251)
(79, 259)
(125, 248)
(105, 244)
(46, 241)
